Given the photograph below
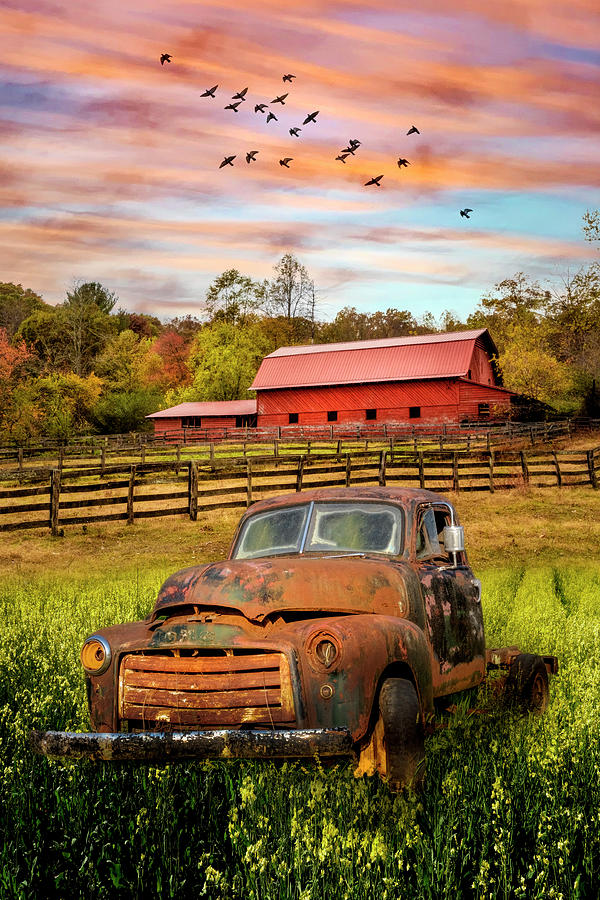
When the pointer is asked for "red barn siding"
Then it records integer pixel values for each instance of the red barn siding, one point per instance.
(438, 401)
(168, 426)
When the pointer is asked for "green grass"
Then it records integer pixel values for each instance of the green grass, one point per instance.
(511, 808)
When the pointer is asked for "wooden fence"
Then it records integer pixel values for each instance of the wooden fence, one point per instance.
(212, 443)
(130, 493)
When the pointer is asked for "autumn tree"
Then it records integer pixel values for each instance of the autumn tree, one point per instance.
(515, 303)
(172, 353)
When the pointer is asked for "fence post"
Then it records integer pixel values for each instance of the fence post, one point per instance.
(339, 448)
(102, 461)
(491, 471)
(143, 454)
(300, 473)
(177, 458)
(524, 467)
(348, 469)
(557, 467)
(421, 470)
(249, 481)
(414, 437)
(193, 490)
(61, 456)
(20, 458)
(54, 500)
(275, 448)
(591, 470)
(130, 496)
(382, 461)
(489, 441)
(455, 485)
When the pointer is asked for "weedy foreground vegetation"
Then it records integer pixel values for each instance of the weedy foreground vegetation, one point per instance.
(511, 807)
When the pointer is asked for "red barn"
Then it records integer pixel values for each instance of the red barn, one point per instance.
(430, 378)
(204, 419)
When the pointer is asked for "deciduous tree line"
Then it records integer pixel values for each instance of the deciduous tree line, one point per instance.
(88, 365)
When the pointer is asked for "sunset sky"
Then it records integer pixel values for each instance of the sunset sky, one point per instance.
(109, 162)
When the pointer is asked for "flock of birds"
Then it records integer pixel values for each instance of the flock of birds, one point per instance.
(350, 150)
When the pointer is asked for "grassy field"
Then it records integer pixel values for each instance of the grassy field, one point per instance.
(511, 807)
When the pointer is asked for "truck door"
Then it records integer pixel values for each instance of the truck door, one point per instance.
(452, 600)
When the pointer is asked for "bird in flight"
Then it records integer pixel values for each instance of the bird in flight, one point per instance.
(465, 212)
(353, 143)
(233, 106)
(376, 181)
(210, 92)
(311, 117)
(260, 107)
(403, 162)
(286, 162)
(342, 157)
(251, 156)
(288, 78)
(241, 95)
(280, 99)
(349, 150)
(295, 131)
(272, 116)
(228, 161)
(165, 57)
(413, 130)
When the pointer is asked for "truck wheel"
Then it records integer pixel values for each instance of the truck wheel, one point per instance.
(527, 683)
(403, 737)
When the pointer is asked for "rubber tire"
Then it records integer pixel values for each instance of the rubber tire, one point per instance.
(403, 735)
(527, 684)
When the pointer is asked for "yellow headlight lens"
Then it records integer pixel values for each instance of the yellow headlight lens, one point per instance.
(95, 656)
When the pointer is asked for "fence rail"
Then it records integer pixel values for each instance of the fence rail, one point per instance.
(294, 440)
(78, 497)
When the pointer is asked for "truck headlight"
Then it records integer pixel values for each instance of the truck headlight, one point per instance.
(95, 655)
(324, 649)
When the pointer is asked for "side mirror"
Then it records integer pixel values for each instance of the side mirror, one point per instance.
(454, 538)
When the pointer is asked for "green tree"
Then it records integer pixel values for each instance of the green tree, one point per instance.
(92, 293)
(17, 304)
(123, 362)
(118, 412)
(291, 292)
(232, 297)
(224, 360)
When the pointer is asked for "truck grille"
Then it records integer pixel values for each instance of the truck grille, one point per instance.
(162, 692)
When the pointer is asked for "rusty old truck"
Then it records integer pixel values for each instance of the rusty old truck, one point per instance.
(341, 623)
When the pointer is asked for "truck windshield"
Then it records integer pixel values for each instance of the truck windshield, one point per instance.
(323, 527)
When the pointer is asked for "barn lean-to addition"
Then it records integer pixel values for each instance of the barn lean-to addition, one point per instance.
(436, 378)
(191, 417)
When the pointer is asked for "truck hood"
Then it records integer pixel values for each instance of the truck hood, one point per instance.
(261, 587)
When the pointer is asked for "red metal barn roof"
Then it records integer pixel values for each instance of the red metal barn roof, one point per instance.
(213, 408)
(388, 359)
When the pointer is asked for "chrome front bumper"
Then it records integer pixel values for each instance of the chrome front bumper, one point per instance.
(154, 746)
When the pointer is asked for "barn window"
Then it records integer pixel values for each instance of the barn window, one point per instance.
(483, 410)
(332, 415)
(469, 375)
(414, 412)
(191, 421)
(292, 418)
(371, 414)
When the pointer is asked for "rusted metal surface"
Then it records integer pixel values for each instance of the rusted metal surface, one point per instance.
(159, 746)
(288, 653)
(205, 691)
